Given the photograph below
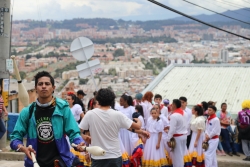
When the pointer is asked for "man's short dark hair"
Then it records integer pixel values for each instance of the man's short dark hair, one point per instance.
(213, 107)
(158, 96)
(44, 74)
(177, 103)
(223, 104)
(80, 92)
(105, 97)
(182, 98)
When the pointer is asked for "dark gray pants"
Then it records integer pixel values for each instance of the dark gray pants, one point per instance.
(114, 162)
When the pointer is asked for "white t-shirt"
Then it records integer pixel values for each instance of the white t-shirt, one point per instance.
(104, 127)
(76, 111)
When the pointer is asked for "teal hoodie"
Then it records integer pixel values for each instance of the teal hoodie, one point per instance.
(63, 123)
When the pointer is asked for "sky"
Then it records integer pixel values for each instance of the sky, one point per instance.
(116, 9)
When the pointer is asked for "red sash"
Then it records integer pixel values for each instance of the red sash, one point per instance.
(179, 111)
(215, 137)
(177, 135)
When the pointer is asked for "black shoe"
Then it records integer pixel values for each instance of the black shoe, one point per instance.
(230, 153)
(237, 154)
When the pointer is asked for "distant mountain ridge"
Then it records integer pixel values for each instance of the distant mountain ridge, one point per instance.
(240, 14)
(105, 24)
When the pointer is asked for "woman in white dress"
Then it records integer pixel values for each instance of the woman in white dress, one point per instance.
(198, 136)
(127, 108)
(147, 105)
(154, 154)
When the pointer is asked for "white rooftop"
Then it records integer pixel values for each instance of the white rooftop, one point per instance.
(204, 82)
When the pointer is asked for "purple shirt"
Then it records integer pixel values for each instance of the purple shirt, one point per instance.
(244, 119)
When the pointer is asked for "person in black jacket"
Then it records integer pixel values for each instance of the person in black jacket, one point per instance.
(80, 96)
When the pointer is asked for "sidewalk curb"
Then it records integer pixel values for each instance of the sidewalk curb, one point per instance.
(12, 156)
(18, 156)
(228, 163)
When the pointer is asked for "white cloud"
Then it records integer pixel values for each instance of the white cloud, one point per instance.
(130, 9)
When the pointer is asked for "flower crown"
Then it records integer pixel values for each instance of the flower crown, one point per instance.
(70, 93)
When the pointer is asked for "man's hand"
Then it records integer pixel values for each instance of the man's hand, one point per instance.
(145, 134)
(169, 144)
(86, 138)
(79, 147)
(27, 151)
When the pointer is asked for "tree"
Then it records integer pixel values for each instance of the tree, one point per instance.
(112, 71)
(28, 57)
(119, 52)
(83, 81)
(22, 75)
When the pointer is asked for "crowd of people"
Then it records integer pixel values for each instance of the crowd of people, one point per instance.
(146, 131)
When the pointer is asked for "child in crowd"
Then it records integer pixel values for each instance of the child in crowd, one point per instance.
(154, 148)
(163, 108)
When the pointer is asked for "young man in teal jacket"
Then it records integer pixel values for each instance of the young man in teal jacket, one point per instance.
(46, 122)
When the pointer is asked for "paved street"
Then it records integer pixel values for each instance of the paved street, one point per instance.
(223, 161)
(11, 163)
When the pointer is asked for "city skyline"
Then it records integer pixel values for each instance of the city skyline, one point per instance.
(124, 9)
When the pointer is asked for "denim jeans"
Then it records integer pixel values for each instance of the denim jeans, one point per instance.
(114, 162)
(2, 128)
(220, 147)
(228, 146)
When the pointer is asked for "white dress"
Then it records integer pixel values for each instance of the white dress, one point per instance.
(138, 146)
(126, 135)
(147, 106)
(197, 153)
(125, 157)
(153, 157)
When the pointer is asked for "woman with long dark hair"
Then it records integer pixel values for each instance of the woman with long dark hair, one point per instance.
(75, 108)
(127, 108)
(198, 136)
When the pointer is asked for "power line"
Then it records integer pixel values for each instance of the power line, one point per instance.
(246, 1)
(190, 17)
(207, 1)
(233, 5)
(216, 12)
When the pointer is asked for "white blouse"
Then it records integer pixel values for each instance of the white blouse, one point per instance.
(76, 111)
(154, 126)
(198, 123)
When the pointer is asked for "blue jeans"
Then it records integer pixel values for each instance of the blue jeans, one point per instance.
(114, 162)
(228, 146)
(2, 128)
(220, 146)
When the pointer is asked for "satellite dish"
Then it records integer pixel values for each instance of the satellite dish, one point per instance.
(82, 48)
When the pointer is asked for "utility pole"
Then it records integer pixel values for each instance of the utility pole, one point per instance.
(5, 29)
